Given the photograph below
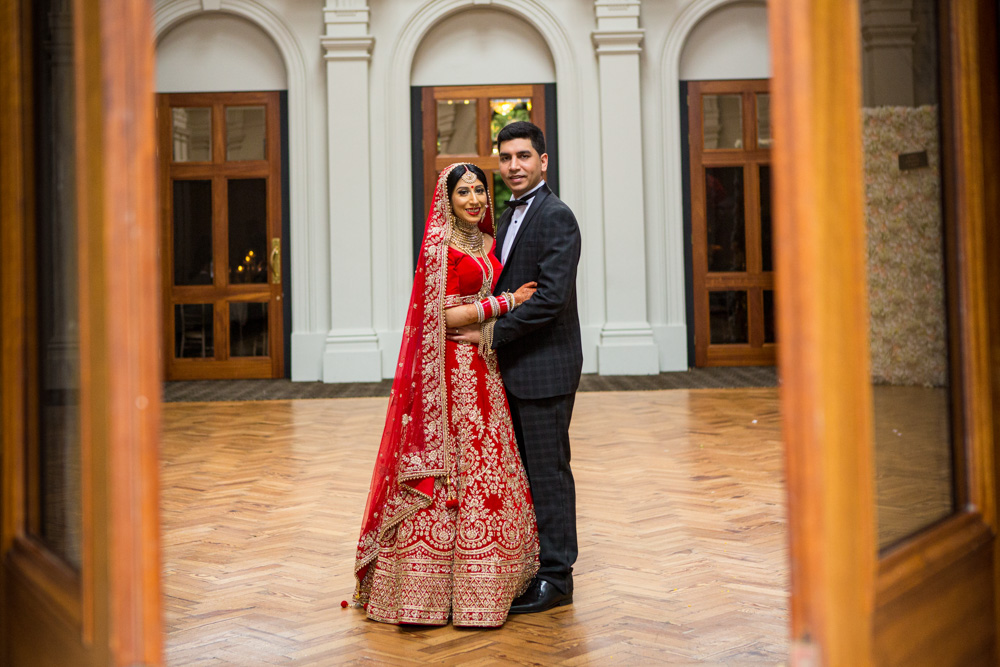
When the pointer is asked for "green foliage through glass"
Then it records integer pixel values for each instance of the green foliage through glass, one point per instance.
(506, 111)
(501, 193)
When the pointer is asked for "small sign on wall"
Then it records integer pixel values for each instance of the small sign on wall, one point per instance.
(915, 160)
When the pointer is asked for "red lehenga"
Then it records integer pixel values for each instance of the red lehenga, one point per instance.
(449, 528)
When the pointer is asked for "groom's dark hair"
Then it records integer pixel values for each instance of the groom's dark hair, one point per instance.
(523, 130)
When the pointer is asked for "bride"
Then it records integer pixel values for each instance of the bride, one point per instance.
(449, 527)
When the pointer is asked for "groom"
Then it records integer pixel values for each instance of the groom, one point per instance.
(539, 352)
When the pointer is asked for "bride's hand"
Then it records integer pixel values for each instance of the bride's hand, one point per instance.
(525, 291)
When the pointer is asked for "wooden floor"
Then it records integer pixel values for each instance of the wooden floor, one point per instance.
(913, 453)
(681, 518)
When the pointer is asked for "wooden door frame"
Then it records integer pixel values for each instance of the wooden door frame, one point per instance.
(109, 612)
(219, 171)
(754, 280)
(849, 606)
(433, 163)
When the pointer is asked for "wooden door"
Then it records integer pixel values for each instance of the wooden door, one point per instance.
(220, 169)
(869, 584)
(79, 368)
(733, 270)
(460, 124)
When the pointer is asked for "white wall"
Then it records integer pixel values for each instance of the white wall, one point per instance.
(202, 43)
(267, 44)
(729, 43)
(404, 32)
(479, 46)
(218, 53)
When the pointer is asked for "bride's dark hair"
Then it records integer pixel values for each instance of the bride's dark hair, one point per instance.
(457, 173)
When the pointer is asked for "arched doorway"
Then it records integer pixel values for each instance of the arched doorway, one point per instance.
(457, 109)
(723, 70)
(222, 119)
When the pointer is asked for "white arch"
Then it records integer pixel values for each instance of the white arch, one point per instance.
(167, 15)
(667, 253)
(397, 95)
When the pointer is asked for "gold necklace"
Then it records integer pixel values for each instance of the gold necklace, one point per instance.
(466, 237)
(469, 239)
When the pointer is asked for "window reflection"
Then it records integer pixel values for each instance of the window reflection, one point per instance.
(766, 241)
(194, 335)
(506, 111)
(763, 120)
(248, 230)
(501, 194)
(725, 220)
(906, 272)
(247, 329)
(193, 233)
(55, 505)
(727, 312)
(722, 121)
(246, 133)
(192, 130)
(456, 126)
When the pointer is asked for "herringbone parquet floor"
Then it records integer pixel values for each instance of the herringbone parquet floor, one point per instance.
(681, 520)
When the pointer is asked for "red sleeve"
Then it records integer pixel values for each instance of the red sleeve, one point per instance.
(451, 284)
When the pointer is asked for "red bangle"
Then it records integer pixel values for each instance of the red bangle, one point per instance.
(495, 306)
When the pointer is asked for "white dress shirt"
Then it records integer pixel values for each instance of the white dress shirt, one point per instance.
(515, 224)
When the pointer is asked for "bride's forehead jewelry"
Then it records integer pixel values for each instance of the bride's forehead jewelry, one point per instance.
(469, 176)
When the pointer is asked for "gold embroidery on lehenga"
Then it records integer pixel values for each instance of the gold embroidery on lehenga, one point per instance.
(429, 561)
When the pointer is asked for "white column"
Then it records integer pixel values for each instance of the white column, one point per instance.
(351, 353)
(887, 35)
(626, 346)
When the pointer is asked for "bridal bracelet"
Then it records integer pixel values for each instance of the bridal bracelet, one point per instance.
(493, 306)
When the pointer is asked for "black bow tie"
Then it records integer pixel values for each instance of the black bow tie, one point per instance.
(513, 203)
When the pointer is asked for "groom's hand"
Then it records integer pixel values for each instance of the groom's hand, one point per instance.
(467, 334)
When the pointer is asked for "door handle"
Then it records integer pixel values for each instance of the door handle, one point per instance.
(276, 261)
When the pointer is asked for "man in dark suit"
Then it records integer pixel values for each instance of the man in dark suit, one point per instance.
(539, 352)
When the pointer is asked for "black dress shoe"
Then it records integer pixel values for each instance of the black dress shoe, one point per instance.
(540, 596)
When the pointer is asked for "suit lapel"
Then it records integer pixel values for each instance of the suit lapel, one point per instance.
(528, 219)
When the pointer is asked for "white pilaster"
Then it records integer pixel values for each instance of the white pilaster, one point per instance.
(626, 346)
(351, 352)
(887, 35)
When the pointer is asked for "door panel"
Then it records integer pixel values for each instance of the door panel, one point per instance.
(733, 279)
(220, 173)
(460, 124)
(929, 597)
(79, 537)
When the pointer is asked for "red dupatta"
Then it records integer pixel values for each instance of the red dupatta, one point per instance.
(414, 450)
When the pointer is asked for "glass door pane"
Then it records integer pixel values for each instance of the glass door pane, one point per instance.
(248, 230)
(55, 505)
(763, 120)
(456, 125)
(722, 118)
(192, 134)
(194, 334)
(727, 249)
(246, 133)
(728, 317)
(192, 231)
(247, 329)
(766, 241)
(505, 111)
(907, 281)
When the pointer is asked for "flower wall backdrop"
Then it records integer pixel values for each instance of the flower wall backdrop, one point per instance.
(905, 259)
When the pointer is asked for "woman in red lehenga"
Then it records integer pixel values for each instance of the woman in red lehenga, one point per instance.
(449, 528)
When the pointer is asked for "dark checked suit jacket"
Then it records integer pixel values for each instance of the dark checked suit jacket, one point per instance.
(538, 343)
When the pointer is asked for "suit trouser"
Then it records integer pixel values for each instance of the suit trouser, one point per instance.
(542, 429)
